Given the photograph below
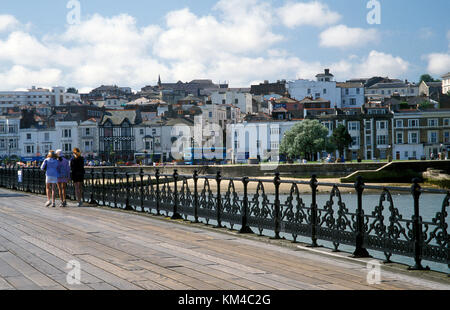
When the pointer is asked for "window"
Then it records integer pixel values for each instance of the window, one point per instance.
(147, 145)
(274, 131)
(353, 126)
(433, 123)
(210, 114)
(446, 136)
(381, 125)
(368, 140)
(28, 136)
(236, 101)
(324, 91)
(87, 131)
(274, 145)
(446, 121)
(413, 123)
(399, 137)
(47, 136)
(317, 95)
(399, 123)
(67, 133)
(30, 149)
(309, 91)
(406, 154)
(141, 132)
(346, 91)
(413, 137)
(358, 91)
(382, 140)
(67, 147)
(355, 142)
(352, 101)
(432, 137)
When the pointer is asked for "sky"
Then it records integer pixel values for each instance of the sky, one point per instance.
(242, 42)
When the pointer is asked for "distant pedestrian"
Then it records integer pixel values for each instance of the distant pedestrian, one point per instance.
(77, 170)
(50, 166)
(63, 177)
(432, 156)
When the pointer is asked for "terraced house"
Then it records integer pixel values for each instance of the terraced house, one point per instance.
(421, 134)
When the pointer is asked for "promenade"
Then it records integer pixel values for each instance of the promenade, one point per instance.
(129, 251)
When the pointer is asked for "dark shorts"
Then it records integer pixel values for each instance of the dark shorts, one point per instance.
(78, 179)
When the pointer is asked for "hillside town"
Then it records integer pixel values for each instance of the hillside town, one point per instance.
(385, 117)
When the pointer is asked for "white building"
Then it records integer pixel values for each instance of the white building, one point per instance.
(88, 141)
(35, 143)
(9, 136)
(352, 95)
(325, 87)
(257, 140)
(446, 83)
(36, 96)
(239, 97)
(387, 90)
(67, 136)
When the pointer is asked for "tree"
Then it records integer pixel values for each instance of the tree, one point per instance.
(427, 78)
(72, 90)
(341, 138)
(305, 139)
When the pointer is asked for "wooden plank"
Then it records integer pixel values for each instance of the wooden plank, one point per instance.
(27, 270)
(4, 285)
(22, 283)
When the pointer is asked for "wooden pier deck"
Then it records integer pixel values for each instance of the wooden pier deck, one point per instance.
(120, 250)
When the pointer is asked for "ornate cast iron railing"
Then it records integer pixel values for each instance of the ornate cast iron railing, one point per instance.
(256, 204)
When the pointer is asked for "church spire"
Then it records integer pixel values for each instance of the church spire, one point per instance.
(159, 81)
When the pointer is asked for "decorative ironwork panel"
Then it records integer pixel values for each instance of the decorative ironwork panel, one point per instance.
(333, 222)
(231, 206)
(295, 219)
(436, 243)
(207, 203)
(166, 195)
(261, 210)
(186, 199)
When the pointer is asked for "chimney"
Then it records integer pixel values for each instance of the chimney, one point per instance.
(327, 71)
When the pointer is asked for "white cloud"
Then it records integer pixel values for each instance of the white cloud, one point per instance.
(307, 13)
(8, 22)
(438, 63)
(18, 76)
(240, 46)
(342, 36)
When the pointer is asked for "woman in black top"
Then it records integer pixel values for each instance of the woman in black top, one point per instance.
(77, 172)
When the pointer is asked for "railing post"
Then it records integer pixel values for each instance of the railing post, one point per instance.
(127, 200)
(158, 194)
(417, 227)
(176, 215)
(195, 177)
(141, 175)
(219, 200)
(92, 187)
(115, 187)
(360, 251)
(103, 187)
(313, 184)
(277, 215)
(245, 229)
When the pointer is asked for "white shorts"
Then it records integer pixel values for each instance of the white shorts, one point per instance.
(51, 180)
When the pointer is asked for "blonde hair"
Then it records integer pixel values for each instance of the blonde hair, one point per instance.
(51, 154)
(77, 152)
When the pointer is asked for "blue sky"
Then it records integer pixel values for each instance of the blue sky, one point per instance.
(130, 42)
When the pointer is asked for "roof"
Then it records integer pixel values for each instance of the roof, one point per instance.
(350, 85)
(318, 100)
(119, 116)
(390, 85)
(446, 76)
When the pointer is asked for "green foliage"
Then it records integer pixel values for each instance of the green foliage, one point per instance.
(425, 105)
(341, 138)
(72, 90)
(404, 105)
(305, 139)
(427, 78)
